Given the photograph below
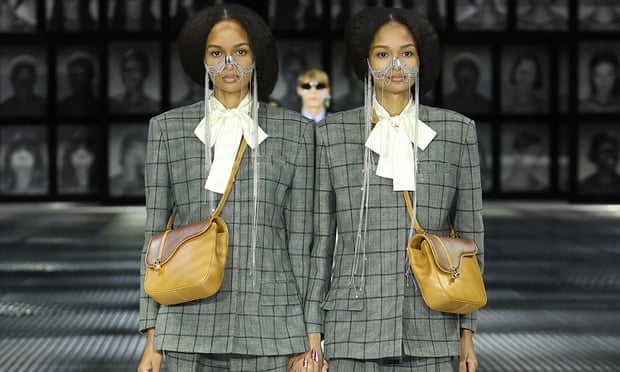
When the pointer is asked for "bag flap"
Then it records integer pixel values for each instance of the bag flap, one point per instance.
(172, 238)
(447, 252)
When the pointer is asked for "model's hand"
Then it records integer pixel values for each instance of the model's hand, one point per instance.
(151, 359)
(467, 359)
(311, 361)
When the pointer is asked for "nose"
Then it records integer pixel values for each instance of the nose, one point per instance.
(396, 62)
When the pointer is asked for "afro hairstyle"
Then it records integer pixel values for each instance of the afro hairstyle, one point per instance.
(362, 27)
(193, 37)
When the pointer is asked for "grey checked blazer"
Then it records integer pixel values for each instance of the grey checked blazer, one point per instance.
(371, 322)
(265, 319)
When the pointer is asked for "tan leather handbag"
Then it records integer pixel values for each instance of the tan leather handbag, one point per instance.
(446, 269)
(188, 263)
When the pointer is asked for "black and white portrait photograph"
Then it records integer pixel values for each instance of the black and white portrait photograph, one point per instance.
(183, 90)
(289, 15)
(481, 14)
(72, 15)
(134, 85)
(467, 80)
(78, 79)
(599, 77)
(24, 161)
(542, 15)
(525, 157)
(347, 89)
(182, 10)
(599, 155)
(18, 16)
(78, 164)
(599, 15)
(23, 81)
(294, 56)
(126, 157)
(485, 149)
(134, 15)
(525, 80)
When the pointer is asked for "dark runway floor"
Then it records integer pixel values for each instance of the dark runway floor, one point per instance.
(69, 288)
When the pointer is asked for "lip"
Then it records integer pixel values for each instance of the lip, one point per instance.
(230, 78)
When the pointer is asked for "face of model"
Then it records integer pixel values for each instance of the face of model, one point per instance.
(228, 38)
(604, 75)
(393, 39)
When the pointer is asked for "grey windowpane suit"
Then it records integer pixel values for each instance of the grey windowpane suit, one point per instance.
(388, 318)
(265, 319)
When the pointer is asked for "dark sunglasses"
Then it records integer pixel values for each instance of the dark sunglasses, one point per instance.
(315, 84)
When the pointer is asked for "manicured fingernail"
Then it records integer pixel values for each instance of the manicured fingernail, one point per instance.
(305, 363)
(315, 355)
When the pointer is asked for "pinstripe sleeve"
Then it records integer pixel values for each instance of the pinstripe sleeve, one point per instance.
(158, 206)
(324, 238)
(468, 220)
(300, 209)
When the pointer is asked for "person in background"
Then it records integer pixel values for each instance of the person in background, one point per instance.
(133, 15)
(79, 170)
(72, 15)
(362, 295)
(129, 180)
(23, 169)
(134, 68)
(525, 91)
(24, 101)
(466, 97)
(604, 83)
(255, 322)
(82, 98)
(314, 91)
(603, 152)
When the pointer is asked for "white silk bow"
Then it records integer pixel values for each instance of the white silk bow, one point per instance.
(391, 139)
(226, 127)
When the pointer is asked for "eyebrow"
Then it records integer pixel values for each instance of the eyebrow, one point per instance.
(402, 47)
(234, 46)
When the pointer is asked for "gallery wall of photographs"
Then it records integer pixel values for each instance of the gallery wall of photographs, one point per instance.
(79, 80)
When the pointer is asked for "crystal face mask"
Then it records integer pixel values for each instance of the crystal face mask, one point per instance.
(240, 70)
(386, 72)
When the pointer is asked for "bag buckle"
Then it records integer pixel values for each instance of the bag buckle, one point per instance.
(455, 274)
(157, 264)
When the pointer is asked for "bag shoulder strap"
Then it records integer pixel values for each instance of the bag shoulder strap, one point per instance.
(419, 228)
(233, 173)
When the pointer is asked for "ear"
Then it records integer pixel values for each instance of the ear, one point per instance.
(299, 91)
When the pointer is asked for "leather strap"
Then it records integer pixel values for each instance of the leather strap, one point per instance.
(419, 228)
(233, 173)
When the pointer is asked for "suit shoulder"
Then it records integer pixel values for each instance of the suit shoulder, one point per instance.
(431, 114)
(193, 111)
(345, 117)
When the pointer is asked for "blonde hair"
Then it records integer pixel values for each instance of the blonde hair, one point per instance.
(313, 74)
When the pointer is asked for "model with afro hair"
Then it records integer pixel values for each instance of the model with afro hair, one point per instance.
(255, 322)
(362, 295)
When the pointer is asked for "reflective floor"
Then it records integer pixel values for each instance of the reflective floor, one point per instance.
(69, 288)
